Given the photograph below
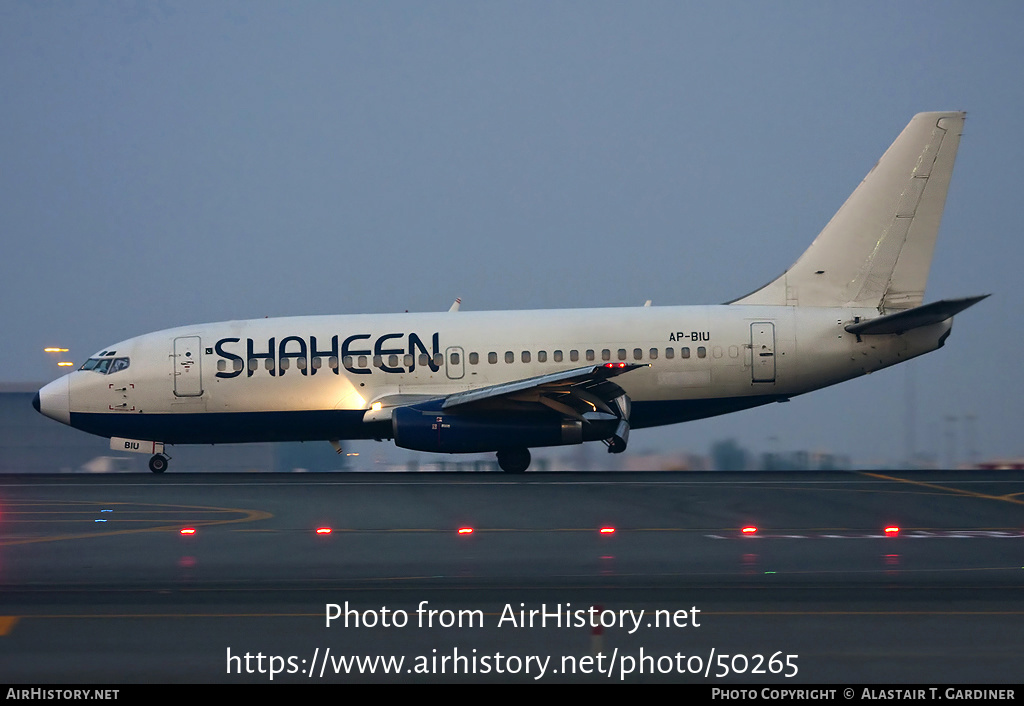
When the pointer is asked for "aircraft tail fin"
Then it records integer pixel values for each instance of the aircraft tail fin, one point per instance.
(877, 250)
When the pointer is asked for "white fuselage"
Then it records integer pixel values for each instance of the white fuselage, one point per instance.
(239, 380)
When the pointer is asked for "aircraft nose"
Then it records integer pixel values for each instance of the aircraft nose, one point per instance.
(54, 400)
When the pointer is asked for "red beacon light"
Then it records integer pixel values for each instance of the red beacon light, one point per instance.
(465, 530)
(607, 530)
(187, 530)
(749, 530)
(892, 531)
(323, 530)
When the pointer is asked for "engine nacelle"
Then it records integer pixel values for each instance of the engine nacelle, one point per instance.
(440, 432)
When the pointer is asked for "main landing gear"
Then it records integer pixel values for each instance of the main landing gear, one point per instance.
(514, 460)
(158, 463)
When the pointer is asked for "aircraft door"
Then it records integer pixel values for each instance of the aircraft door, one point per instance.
(188, 374)
(762, 351)
(454, 363)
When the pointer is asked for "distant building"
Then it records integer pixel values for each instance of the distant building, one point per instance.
(804, 461)
(1000, 464)
(681, 461)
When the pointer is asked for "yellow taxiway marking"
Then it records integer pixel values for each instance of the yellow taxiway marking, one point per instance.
(1008, 498)
(7, 623)
(246, 516)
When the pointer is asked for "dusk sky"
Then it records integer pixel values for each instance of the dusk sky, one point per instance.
(167, 163)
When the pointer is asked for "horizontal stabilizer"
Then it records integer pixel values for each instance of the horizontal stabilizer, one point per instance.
(914, 318)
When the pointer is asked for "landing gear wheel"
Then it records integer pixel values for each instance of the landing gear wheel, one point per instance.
(158, 463)
(514, 460)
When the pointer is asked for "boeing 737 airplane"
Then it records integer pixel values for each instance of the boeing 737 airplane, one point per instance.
(506, 382)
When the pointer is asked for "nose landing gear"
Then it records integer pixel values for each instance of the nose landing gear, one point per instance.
(158, 463)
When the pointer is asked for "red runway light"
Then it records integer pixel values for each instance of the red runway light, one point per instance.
(749, 529)
(323, 530)
(187, 530)
(892, 531)
(607, 530)
(465, 530)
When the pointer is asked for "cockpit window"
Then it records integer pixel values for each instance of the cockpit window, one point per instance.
(105, 366)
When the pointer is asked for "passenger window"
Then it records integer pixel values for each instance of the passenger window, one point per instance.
(510, 357)
(348, 361)
(285, 364)
(222, 365)
(590, 354)
(408, 360)
(438, 360)
(558, 356)
(654, 354)
(542, 356)
(424, 360)
(686, 352)
(316, 362)
(702, 352)
(670, 353)
(268, 363)
(378, 361)
(474, 358)
(300, 363)
(393, 360)
(526, 356)
(454, 358)
(638, 353)
(492, 357)
(622, 354)
(606, 354)
(574, 355)
(332, 362)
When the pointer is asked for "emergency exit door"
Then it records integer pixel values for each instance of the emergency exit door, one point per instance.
(454, 365)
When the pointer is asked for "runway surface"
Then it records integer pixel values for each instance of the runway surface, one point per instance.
(98, 585)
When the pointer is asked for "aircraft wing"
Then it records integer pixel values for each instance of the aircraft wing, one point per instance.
(572, 392)
(591, 383)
